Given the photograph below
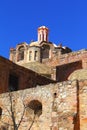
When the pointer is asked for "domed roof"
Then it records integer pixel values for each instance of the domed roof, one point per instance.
(43, 27)
(36, 43)
(78, 74)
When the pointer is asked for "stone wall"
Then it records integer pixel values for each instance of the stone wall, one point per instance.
(56, 105)
(59, 106)
(83, 104)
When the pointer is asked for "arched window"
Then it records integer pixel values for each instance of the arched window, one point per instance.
(35, 55)
(20, 53)
(45, 51)
(36, 107)
(33, 112)
(30, 55)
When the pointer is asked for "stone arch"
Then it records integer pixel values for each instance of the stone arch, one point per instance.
(20, 55)
(35, 106)
(33, 113)
(23, 44)
(66, 70)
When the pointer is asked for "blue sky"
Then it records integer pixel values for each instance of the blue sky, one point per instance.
(66, 20)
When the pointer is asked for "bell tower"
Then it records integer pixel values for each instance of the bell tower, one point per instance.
(43, 34)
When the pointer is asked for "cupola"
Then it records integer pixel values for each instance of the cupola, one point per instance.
(43, 34)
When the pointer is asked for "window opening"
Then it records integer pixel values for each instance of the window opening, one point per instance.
(36, 55)
(20, 53)
(45, 51)
(0, 112)
(13, 82)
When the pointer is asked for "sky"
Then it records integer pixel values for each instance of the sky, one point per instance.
(66, 20)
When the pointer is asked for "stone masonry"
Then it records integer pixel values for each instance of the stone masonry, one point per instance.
(63, 107)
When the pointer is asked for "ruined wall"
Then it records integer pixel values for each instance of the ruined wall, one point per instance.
(60, 106)
(56, 105)
(83, 104)
(67, 63)
(69, 58)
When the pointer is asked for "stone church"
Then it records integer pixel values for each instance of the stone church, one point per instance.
(43, 86)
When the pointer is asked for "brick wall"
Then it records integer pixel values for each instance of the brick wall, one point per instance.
(69, 58)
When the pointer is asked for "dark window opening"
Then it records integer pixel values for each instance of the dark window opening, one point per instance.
(36, 55)
(13, 83)
(0, 111)
(45, 51)
(20, 53)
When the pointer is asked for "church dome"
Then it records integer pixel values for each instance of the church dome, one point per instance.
(78, 74)
(43, 27)
(34, 43)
